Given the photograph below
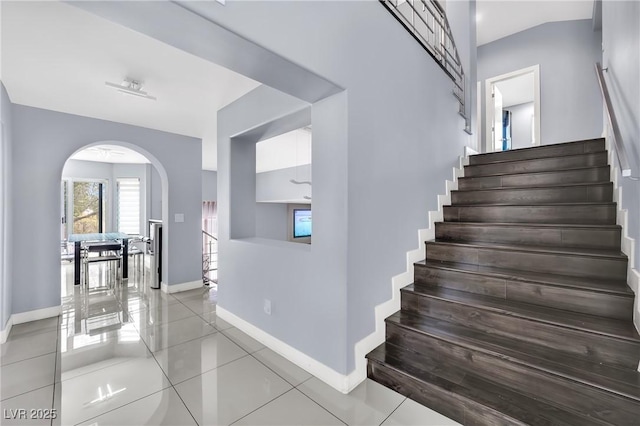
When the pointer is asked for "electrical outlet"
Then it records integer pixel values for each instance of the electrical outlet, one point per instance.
(267, 306)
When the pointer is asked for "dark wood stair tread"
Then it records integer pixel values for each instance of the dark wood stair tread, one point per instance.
(537, 225)
(520, 160)
(573, 251)
(470, 389)
(610, 327)
(613, 379)
(533, 149)
(617, 287)
(567, 169)
(524, 188)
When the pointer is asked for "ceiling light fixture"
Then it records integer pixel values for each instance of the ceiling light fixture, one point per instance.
(130, 87)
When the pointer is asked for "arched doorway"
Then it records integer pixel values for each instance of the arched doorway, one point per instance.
(109, 188)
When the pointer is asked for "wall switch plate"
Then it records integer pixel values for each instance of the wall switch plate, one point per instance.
(179, 217)
(267, 306)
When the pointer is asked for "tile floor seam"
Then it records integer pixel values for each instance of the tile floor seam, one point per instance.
(27, 359)
(274, 371)
(186, 341)
(163, 323)
(55, 371)
(145, 396)
(171, 383)
(394, 410)
(92, 371)
(320, 405)
(207, 371)
(122, 406)
(263, 405)
(231, 338)
(23, 393)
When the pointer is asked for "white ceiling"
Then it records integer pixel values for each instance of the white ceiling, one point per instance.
(110, 154)
(517, 90)
(58, 57)
(497, 19)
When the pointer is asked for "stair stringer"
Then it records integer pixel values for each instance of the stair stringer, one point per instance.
(627, 243)
(391, 306)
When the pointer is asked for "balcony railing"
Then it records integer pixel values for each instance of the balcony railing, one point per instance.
(427, 22)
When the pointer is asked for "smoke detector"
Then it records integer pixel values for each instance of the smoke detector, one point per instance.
(130, 87)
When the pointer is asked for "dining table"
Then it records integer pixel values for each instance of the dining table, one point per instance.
(80, 239)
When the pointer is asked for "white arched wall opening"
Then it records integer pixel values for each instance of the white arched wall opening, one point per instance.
(163, 180)
(43, 142)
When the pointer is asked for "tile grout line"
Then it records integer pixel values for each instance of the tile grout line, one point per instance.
(394, 410)
(317, 403)
(55, 372)
(171, 385)
(263, 405)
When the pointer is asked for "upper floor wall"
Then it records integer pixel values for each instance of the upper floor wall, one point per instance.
(570, 101)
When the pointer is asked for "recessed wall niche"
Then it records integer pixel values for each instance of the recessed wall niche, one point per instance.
(271, 181)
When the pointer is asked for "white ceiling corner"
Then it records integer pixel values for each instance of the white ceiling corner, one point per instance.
(501, 18)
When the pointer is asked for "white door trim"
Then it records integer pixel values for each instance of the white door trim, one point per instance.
(535, 69)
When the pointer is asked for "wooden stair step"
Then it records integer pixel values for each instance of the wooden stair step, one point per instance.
(467, 398)
(549, 179)
(567, 213)
(601, 392)
(617, 329)
(570, 193)
(582, 262)
(543, 151)
(558, 163)
(607, 298)
(562, 235)
(605, 340)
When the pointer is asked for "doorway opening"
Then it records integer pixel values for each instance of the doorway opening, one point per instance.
(512, 110)
(109, 195)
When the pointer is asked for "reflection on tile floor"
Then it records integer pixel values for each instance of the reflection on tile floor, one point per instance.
(136, 356)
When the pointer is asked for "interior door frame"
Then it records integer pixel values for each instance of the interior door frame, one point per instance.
(535, 69)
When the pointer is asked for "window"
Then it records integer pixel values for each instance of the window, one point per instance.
(129, 205)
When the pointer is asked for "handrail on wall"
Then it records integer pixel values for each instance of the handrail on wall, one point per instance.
(621, 153)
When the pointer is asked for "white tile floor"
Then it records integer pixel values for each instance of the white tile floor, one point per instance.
(136, 356)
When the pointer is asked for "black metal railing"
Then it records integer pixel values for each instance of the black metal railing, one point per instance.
(209, 258)
(427, 22)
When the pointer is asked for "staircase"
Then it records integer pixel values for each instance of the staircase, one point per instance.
(520, 313)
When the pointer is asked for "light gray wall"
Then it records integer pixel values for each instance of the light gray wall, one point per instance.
(275, 185)
(271, 221)
(209, 185)
(306, 288)
(621, 45)
(44, 140)
(383, 148)
(404, 136)
(521, 125)
(566, 51)
(6, 213)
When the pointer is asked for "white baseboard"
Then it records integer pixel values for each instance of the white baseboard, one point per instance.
(391, 306)
(7, 329)
(38, 314)
(176, 288)
(341, 382)
(627, 243)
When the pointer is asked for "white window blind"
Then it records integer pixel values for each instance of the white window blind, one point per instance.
(129, 205)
